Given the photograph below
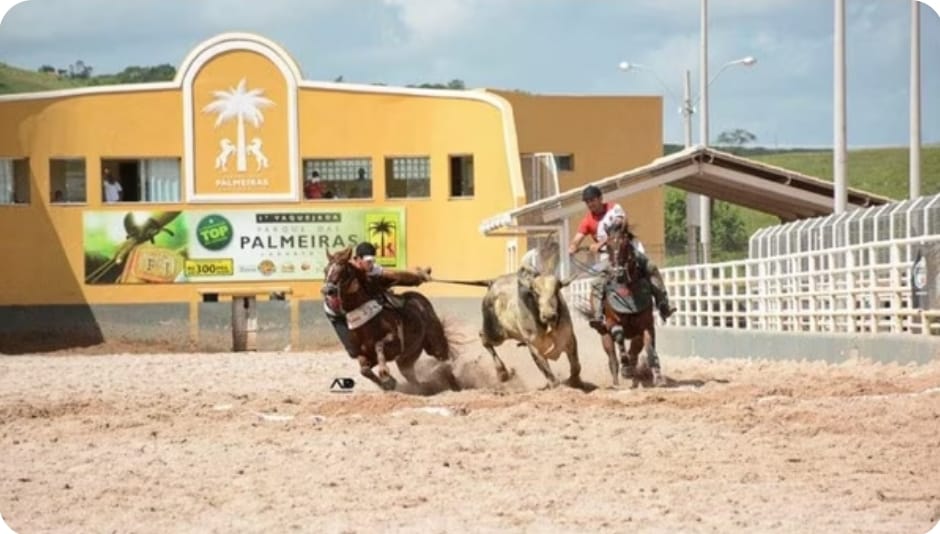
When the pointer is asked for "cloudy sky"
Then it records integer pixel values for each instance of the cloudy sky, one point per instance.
(542, 46)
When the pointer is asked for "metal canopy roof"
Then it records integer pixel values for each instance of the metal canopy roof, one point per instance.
(787, 194)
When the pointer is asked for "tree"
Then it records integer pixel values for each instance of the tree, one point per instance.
(241, 104)
(736, 138)
(48, 69)
(729, 236)
(80, 70)
(675, 221)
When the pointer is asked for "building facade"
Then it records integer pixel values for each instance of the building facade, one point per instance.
(241, 174)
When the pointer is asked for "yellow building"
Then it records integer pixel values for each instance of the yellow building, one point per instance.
(241, 174)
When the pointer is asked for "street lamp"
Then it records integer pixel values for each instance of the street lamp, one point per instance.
(698, 220)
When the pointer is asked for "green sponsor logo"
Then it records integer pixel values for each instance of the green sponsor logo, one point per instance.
(214, 232)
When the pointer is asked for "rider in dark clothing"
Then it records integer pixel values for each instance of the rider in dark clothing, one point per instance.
(364, 258)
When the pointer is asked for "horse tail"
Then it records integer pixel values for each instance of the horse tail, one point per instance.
(441, 338)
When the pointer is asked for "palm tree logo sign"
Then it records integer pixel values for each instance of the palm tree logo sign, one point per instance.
(243, 105)
(384, 230)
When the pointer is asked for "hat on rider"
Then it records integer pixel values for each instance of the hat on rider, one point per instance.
(365, 250)
(590, 193)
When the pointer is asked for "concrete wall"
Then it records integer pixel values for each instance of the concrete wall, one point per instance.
(168, 327)
(833, 348)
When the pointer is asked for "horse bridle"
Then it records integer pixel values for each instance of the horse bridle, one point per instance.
(335, 282)
(619, 256)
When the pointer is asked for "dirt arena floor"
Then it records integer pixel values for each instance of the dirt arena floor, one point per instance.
(257, 442)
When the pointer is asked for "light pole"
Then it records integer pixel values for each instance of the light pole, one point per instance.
(914, 177)
(705, 203)
(692, 201)
(839, 152)
(697, 220)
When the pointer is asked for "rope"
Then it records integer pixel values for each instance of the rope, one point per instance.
(477, 283)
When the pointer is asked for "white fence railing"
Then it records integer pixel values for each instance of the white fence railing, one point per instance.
(860, 288)
(837, 274)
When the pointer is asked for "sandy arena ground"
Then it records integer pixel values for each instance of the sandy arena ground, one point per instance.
(258, 443)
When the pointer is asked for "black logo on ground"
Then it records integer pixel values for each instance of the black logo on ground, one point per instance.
(342, 385)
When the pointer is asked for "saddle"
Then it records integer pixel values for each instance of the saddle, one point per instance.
(629, 300)
(393, 301)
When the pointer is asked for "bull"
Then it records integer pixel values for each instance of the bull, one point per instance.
(528, 307)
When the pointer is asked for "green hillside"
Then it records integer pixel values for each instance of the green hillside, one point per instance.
(883, 171)
(14, 80)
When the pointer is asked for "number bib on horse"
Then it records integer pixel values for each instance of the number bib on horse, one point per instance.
(363, 314)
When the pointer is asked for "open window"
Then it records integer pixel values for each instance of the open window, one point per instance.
(340, 178)
(140, 180)
(14, 181)
(67, 180)
(408, 177)
(564, 162)
(461, 176)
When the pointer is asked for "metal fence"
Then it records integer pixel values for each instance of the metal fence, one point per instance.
(846, 273)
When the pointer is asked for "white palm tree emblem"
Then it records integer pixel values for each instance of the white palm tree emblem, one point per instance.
(241, 104)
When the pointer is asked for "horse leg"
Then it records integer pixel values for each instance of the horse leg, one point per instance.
(365, 369)
(543, 366)
(574, 379)
(388, 382)
(450, 377)
(633, 355)
(501, 371)
(607, 341)
(649, 343)
(406, 365)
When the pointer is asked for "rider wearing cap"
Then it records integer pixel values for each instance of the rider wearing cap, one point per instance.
(600, 217)
(364, 259)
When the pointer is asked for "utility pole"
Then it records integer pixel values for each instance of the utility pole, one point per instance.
(705, 205)
(915, 101)
(839, 153)
(692, 200)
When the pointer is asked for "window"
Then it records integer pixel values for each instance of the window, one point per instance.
(564, 162)
(408, 177)
(140, 180)
(14, 181)
(67, 180)
(461, 176)
(337, 178)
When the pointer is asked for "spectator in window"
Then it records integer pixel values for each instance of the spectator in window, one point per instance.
(58, 196)
(362, 188)
(112, 188)
(313, 188)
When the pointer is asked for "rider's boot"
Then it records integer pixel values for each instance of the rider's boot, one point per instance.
(662, 298)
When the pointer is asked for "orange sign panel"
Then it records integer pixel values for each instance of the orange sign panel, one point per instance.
(242, 129)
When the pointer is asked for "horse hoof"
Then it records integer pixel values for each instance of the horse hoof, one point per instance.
(627, 372)
(506, 376)
(388, 384)
(574, 383)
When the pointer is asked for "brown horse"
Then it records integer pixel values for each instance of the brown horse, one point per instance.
(628, 310)
(382, 334)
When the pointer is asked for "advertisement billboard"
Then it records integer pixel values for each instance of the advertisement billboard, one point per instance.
(232, 245)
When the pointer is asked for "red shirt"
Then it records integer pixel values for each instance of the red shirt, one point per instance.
(313, 189)
(588, 225)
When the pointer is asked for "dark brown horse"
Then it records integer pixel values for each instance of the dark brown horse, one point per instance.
(628, 310)
(382, 334)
